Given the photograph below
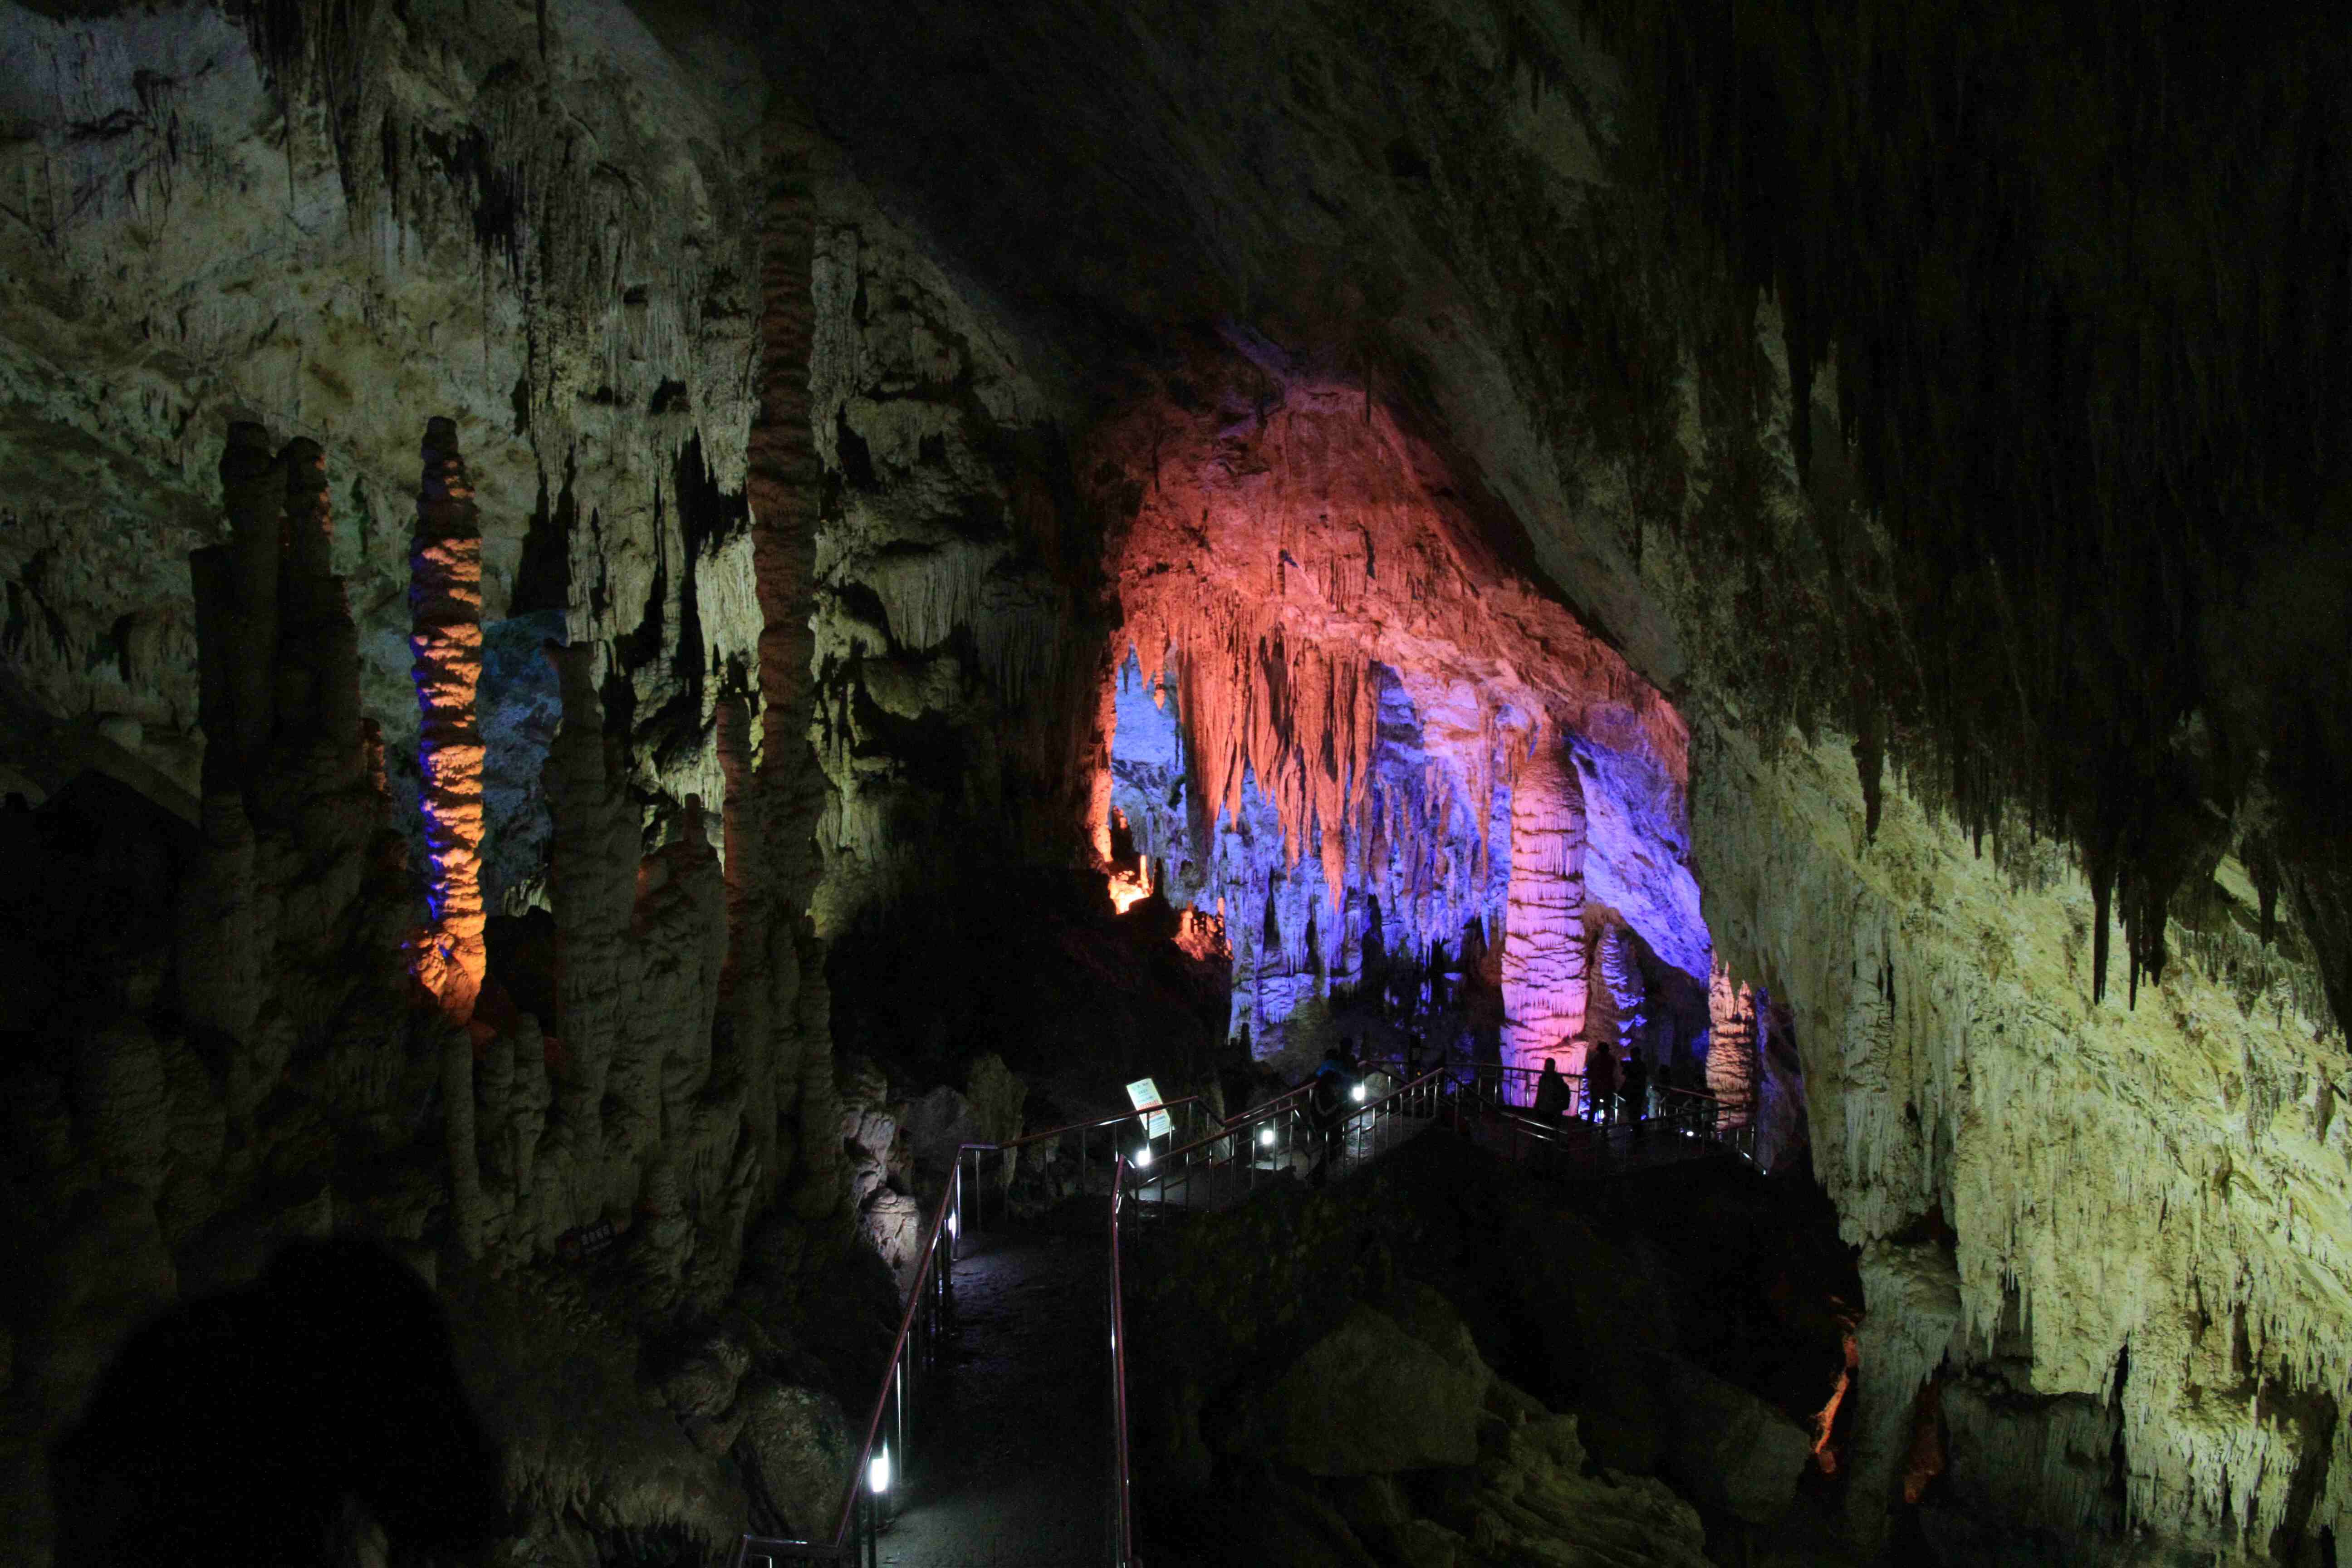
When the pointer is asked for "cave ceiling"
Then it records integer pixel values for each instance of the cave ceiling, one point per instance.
(2063, 303)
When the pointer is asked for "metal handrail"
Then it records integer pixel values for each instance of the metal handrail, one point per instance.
(1191, 1105)
(1276, 1124)
(1122, 1516)
(1281, 1111)
(1698, 1116)
(929, 1300)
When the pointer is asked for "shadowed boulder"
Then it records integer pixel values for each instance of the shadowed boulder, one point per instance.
(269, 1424)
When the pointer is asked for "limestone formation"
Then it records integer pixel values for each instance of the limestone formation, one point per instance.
(445, 598)
(1615, 993)
(1544, 957)
(926, 438)
(1732, 1061)
(1370, 1399)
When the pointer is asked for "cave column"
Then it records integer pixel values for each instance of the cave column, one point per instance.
(445, 598)
(777, 994)
(1543, 943)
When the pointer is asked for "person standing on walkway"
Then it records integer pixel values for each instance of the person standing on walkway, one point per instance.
(1327, 1104)
(1637, 1089)
(1552, 1095)
(1601, 1083)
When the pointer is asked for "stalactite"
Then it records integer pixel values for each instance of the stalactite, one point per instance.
(445, 599)
(1544, 954)
(2033, 391)
(1273, 580)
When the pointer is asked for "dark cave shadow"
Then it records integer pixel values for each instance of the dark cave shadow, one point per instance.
(252, 1427)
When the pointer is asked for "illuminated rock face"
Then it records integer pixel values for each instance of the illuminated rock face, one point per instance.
(1419, 874)
(1616, 992)
(1544, 953)
(2101, 1166)
(1333, 680)
(1733, 1032)
(445, 598)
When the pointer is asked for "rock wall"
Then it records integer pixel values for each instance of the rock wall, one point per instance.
(2141, 1205)
(529, 220)
(958, 647)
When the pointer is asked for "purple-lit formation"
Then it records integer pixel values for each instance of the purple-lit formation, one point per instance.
(1424, 894)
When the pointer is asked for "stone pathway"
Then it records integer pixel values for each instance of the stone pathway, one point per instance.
(1013, 1468)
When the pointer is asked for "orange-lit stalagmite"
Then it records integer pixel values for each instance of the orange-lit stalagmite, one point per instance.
(1543, 940)
(444, 598)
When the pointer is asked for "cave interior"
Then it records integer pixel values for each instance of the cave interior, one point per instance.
(653, 650)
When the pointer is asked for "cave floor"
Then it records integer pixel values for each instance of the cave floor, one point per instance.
(1012, 1465)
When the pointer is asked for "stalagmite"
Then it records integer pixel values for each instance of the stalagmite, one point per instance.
(1731, 1048)
(1543, 938)
(445, 598)
(592, 883)
(252, 492)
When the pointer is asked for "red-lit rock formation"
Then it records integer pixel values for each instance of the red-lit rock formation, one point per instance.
(445, 599)
(1285, 532)
(1544, 954)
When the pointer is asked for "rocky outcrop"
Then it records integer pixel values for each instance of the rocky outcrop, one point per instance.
(1727, 1449)
(801, 1448)
(1368, 1399)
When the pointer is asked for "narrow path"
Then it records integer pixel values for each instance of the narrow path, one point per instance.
(1013, 1471)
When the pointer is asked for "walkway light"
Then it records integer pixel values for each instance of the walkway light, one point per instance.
(1358, 1092)
(1265, 1136)
(1143, 1158)
(877, 1471)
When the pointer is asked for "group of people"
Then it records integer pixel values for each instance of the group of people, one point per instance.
(1614, 1091)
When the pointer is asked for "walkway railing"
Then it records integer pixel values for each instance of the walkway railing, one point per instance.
(1186, 1118)
(1181, 1166)
(878, 1465)
(1677, 1115)
(1122, 1515)
(1262, 1142)
(883, 1462)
